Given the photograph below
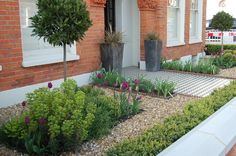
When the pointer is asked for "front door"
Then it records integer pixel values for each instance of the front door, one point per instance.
(110, 18)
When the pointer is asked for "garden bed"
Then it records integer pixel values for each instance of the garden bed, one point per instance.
(228, 73)
(155, 109)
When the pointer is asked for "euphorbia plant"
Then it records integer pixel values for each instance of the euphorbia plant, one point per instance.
(61, 23)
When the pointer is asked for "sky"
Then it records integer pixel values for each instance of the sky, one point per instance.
(213, 7)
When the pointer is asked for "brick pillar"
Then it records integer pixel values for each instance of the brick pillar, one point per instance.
(147, 21)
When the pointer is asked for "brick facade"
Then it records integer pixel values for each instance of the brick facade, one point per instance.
(153, 16)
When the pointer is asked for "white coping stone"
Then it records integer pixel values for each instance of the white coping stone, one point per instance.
(142, 65)
(215, 136)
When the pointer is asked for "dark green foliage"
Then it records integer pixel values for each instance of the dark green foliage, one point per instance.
(152, 36)
(206, 67)
(156, 139)
(225, 61)
(61, 21)
(214, 49)
(222, 21)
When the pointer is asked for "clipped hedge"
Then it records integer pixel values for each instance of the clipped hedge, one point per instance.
(215, 48)
(156, 139)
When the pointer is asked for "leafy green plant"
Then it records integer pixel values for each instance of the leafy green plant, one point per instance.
(146, 85)
(58, 119)
(214, 48)
(206, 67)
(164, 88)
(156, 139)
(61, 23)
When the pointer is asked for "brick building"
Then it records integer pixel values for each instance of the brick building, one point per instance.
(27, 63)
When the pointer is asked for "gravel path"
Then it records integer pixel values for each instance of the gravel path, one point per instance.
(231, 72)
(155, 110)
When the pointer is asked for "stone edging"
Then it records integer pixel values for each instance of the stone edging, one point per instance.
(214, 136)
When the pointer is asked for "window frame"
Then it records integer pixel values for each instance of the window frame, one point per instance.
(44, 56)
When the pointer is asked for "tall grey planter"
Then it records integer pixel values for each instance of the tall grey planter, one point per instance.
(112, 56)
(153, 50)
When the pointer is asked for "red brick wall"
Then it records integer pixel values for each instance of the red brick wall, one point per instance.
(14, 75)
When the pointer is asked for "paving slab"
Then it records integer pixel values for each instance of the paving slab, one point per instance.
(187, 84)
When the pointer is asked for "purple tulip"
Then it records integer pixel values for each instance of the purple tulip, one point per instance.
(41, 121)
(27, 120)
(139, 98)
(99, 75)
(49, 85)
(23, 103)
(125, 85)
(136, 82)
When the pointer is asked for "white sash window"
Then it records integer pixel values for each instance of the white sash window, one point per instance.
(35, 50)
(175, 22)
(195, 27)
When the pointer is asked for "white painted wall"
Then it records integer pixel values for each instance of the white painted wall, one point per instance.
(128, 22)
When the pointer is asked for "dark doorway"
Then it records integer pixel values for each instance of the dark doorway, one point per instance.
(110, 19)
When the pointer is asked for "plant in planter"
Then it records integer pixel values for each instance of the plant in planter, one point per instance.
(112, 51)
(153, 48)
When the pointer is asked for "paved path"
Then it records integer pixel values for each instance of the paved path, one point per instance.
(187, 84)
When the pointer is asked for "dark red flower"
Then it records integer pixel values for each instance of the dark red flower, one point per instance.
(49, 84)
(99, 75)
(23, 103)
(136, 82)
(27, 120)
(41, 121)
(125, 85)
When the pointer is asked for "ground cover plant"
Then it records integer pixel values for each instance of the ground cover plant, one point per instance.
(113, 79)
(203, 66)
(61, 119)
(156, 139)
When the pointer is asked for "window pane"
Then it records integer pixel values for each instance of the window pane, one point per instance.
(28, 9)
(194, 4)
(172, 23)
(173, 3)
(193, 23)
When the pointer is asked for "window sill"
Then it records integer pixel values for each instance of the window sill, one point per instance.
(38, 60)
(175, 44)
(194, 41)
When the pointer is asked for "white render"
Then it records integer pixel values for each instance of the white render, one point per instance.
(213, 137)
(128, 22)
(15, 96)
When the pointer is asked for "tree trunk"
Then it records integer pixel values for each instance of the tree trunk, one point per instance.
(64, 59)
(222, 42)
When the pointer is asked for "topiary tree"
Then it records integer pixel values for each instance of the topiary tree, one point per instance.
(61, 23)
(222, 21)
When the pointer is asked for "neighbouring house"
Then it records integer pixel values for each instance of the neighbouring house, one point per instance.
(27, 63)
(215, 37)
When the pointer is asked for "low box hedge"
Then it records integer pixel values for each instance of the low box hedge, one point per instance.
(215, 48)
(156, 139)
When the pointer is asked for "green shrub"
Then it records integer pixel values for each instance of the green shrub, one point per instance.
(156, 139)
(227, 60)
(214, 48)
(57, 120)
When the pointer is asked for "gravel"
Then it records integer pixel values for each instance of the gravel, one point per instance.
(231, 73)
(155, 110)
